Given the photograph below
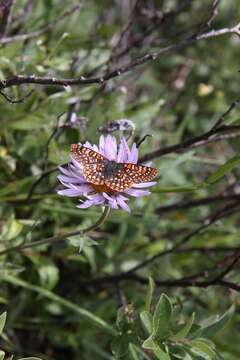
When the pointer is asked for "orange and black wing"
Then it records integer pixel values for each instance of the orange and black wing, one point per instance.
(84, 155)
(91, 162)
(139, 173)
(130, 174)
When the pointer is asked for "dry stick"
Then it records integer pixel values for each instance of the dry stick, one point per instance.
(195, 141)
(82, 80)
(16, 101)
(43, 30)
(5, 9)
(130, 274)
(182, 282)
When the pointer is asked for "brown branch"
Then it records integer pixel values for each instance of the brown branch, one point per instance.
(82, 80)
(5, 15)
(130, 274)
(41, 31)
(16, 101)
(189, 281)
(196, 141)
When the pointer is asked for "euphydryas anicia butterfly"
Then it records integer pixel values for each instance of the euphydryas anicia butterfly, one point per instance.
(108, 175)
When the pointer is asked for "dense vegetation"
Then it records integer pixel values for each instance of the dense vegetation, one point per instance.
(150, 284)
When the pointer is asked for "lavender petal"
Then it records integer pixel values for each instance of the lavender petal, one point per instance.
(121, 202)
(110, 147)
(102, 145)
(137, 193)
(133, 157)
(123, 152)
(67, 179)
(70, 192)
(145, 184)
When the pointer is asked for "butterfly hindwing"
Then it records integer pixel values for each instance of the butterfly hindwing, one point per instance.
(94, 173)
(120, 182)
(139, 173)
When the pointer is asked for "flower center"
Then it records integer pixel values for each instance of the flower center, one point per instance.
(102, 188)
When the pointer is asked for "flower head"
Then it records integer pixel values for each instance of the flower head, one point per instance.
(76, 183)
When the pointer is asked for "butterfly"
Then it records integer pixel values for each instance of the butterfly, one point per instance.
(100, 171)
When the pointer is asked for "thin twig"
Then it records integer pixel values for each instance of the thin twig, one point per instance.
(83, 80)
(43, 30)
(16, 101)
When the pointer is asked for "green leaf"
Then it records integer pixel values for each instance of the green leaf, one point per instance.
(175, 189)
(120, 346)
(3, 318)
(181, 334)
(149, 295)
(202, 348)
(30, 358)
(2, 354)
(30, 122)
(218, 324)
(162, 316)
(82, 241)
(147, 321)
(151, 344)
(11, 229)
(223, 170)
(133, 352)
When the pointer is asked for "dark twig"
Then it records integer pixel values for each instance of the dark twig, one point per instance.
(199, 140)
(43, 30)
(16, 101)
(5, 10)
(128, 275)
(44, 175)
(82, 80)
(140, 141)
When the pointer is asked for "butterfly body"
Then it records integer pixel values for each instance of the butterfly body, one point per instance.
(108, 175)
(111, 168)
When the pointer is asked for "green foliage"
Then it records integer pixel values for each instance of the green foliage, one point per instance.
(3, 318)
(168, 337)
(74, 298)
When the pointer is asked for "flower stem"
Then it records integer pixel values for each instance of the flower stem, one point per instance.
(60, 237)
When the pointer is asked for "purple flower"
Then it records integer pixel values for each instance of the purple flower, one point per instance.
(76, 185)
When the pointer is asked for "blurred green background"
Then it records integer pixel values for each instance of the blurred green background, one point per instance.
(179, 96)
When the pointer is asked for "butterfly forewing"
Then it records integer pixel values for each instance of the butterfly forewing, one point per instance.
(85, 155)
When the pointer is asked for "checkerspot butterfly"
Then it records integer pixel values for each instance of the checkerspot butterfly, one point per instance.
(100, 171)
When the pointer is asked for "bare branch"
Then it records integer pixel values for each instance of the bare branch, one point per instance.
(43, 30)
(83, 80)
(5, 15)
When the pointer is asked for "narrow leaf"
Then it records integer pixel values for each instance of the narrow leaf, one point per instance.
(181, 334)
(149, 295)
(223, 170)
(218, 324)
(203, 349)
(3, 318)
(162, 316)
(147, 321)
